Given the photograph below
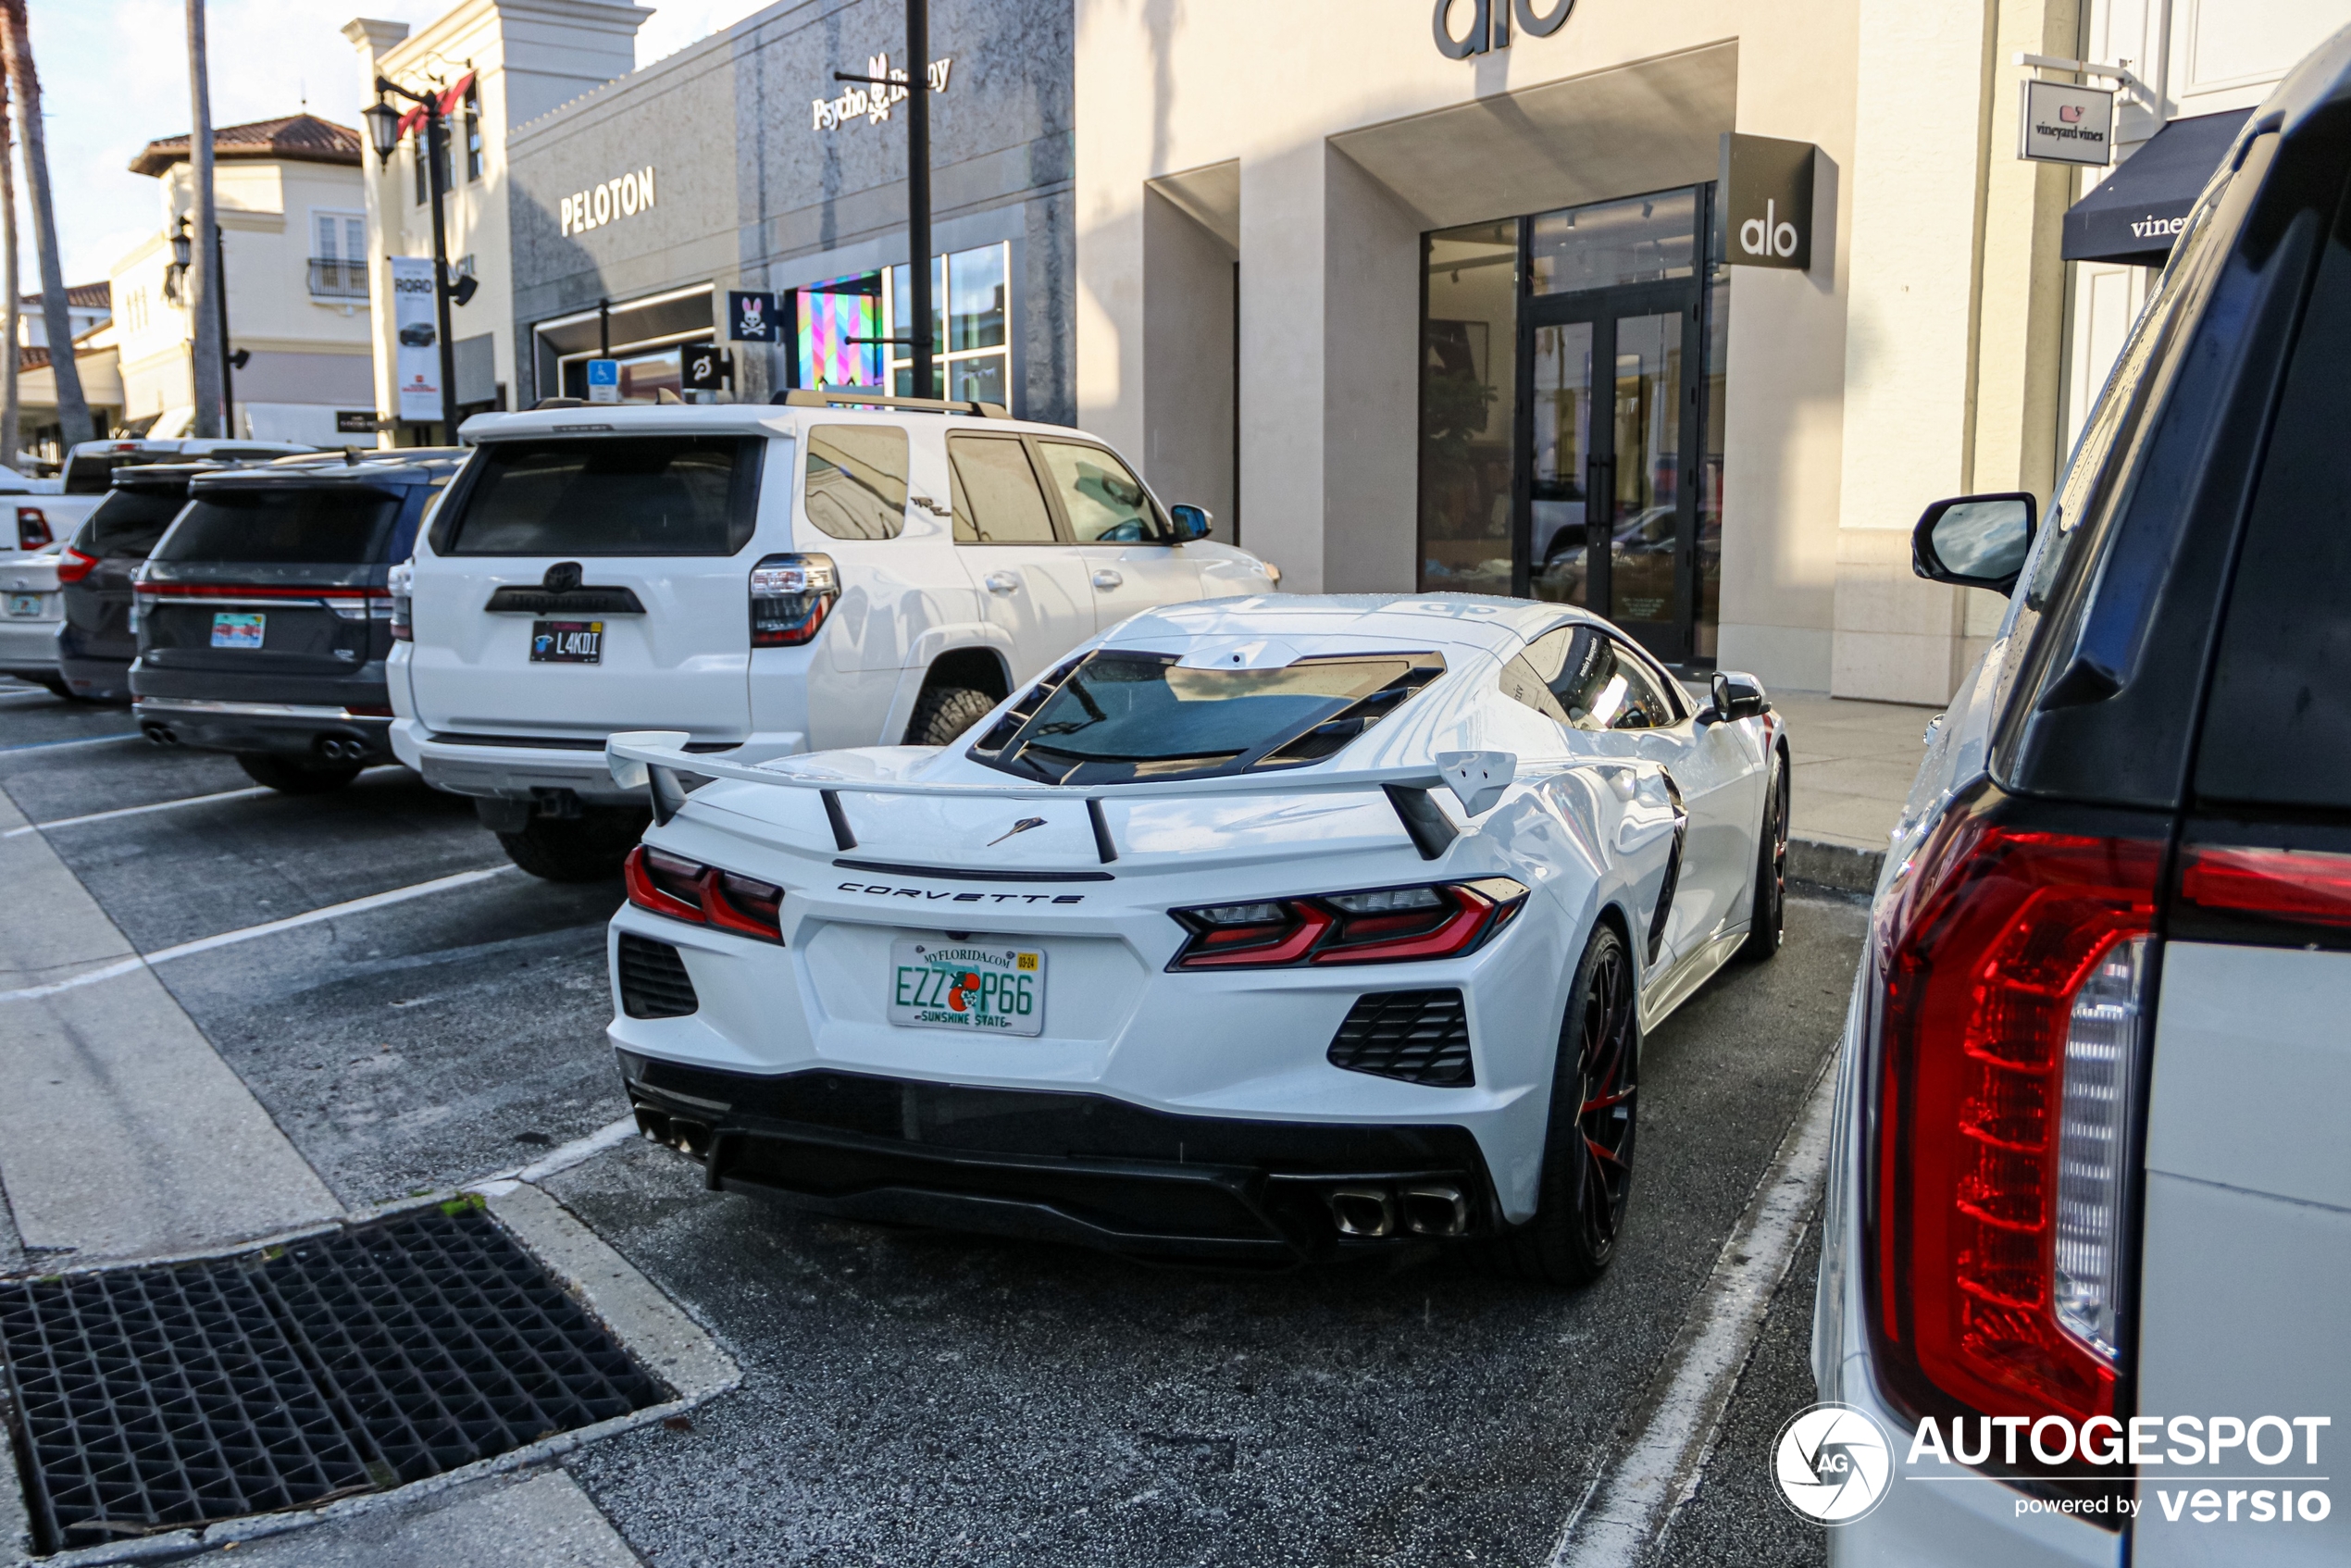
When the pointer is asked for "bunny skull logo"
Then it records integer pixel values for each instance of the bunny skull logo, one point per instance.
(1833, 1463)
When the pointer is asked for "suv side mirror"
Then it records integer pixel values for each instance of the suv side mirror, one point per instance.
(1191, 522)
(1974, 541)
(1737, 695)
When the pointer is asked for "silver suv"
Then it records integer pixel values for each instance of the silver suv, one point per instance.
(771, 580)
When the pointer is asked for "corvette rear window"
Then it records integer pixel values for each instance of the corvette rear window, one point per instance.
(1116, 716)
(608, 496)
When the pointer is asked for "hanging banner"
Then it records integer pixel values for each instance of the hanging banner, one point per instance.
(417, 353)
(2058, 122)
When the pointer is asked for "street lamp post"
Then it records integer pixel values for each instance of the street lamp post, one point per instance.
(918, 84)
(183, 248)
(383, 129)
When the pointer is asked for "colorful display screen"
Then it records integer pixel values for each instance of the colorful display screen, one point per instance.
(829, 315)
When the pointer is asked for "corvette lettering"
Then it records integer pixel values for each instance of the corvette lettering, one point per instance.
(930, 895)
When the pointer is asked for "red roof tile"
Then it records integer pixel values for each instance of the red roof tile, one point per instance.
(296, 137)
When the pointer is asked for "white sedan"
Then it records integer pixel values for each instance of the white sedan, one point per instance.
(1259, 930)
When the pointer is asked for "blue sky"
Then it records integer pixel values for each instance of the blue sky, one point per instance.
(114, 75)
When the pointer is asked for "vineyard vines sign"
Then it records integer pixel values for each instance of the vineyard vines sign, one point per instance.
(624, 195)
(873, 104)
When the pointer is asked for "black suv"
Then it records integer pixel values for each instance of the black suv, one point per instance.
(95, 645)
(264, 615)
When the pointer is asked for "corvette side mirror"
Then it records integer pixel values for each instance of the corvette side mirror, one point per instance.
(1974, 541)
(1477, 779)
(1191, 522)
(1737, 695)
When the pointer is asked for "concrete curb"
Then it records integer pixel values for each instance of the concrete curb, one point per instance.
(1840, 869)
(651, 1326)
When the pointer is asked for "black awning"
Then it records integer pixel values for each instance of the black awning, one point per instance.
(2135, 214)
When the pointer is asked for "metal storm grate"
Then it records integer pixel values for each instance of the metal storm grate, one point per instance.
(1421, 1036)
(653, 982)
(148, 1400)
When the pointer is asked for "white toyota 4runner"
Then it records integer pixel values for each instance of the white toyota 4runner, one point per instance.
(773, 580)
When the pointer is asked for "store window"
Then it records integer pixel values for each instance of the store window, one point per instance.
(1640, 239)
(473, 134)
(1572, 393)
(841, 326)
(1469, 382)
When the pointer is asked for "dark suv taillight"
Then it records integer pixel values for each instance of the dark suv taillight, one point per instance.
(790, 595)
(667, 884)
(2013, 967)
(73, 566)
(1384, 925)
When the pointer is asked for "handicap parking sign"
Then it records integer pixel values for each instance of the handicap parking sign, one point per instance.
(604, 381)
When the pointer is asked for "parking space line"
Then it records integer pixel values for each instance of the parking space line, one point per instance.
(1623, 1508)
(81, 740)
(135, 811)
(206, 944)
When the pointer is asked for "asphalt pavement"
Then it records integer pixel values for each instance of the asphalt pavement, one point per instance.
(911, 1397)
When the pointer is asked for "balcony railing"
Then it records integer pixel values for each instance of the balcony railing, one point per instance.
(332, 279)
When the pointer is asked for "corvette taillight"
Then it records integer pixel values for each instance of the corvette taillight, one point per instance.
(663, 883)
(73, 566)
(2013, 967)
(1384, 925)
(791, 596)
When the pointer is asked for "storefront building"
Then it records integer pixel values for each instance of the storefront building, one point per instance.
(741, 166)
(1455, 296)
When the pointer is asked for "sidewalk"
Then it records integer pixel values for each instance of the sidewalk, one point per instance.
(1853, 765)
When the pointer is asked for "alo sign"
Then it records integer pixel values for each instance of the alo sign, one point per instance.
(1490, 24)
(1765, 203)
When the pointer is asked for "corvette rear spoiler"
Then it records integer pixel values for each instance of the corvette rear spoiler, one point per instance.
(652, 760)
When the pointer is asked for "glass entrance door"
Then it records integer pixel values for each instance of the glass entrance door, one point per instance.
(1609, 514)
(1572, 384)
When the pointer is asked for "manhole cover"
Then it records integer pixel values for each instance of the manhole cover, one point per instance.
(155, 1398)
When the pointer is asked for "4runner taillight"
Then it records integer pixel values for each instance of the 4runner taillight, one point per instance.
(402, 581)
(790, 595)
(662, 883)
(1387, 926)
(73, 566)
(2013, 966)
(33, 529)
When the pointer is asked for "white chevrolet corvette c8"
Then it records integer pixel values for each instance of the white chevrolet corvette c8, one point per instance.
(1257, 931)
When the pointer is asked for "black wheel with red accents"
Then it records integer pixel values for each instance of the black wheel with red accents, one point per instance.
(1588, 1152)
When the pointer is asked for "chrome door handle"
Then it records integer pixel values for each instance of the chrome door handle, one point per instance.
(1002, 582)
(1107, 578)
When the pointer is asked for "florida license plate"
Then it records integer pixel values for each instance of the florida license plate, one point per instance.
(232, 630)
(983, 988)
(567, 642)
(24, 603)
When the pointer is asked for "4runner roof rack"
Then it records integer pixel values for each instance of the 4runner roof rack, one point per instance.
(832, 397)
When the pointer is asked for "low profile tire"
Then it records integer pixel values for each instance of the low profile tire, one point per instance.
(1768, 915)
(943, 712)
(1587, 1148)
(589, 848)
(293, 776)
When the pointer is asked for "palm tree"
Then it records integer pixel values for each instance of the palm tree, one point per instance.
(13, 315)
(24, 85)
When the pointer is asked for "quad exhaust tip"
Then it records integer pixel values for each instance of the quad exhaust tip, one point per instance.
(1420, 1209)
